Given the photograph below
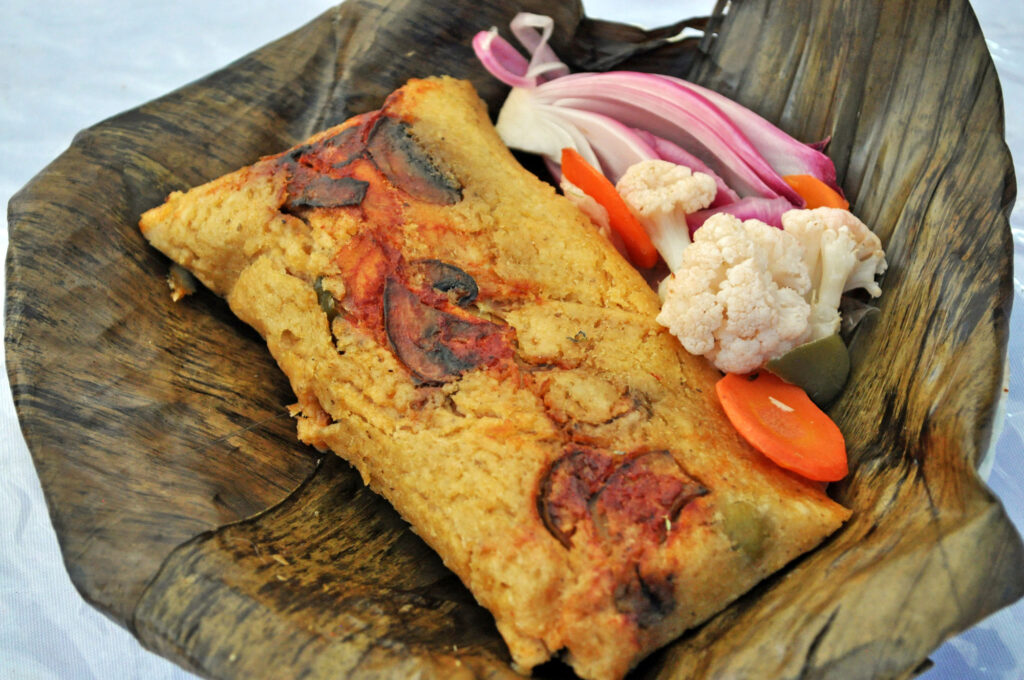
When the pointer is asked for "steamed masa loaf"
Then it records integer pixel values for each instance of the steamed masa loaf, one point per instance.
(491, 365)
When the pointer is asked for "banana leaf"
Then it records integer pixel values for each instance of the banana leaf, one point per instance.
(187, 511)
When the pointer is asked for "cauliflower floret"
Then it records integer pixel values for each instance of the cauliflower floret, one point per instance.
(841, 254)
(661, 194)
(738, 295)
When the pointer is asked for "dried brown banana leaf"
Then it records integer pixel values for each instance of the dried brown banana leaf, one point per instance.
(186, 510)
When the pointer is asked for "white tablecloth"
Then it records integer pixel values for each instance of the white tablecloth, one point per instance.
(65, 66)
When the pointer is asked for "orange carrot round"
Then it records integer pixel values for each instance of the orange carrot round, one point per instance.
(780, 421)
(816, 193)
(622, 221)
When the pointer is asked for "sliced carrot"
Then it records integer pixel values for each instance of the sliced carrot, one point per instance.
(816, 193)
(780, 421)
(622, 221)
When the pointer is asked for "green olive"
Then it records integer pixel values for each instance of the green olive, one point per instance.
(746, 527)
(819, 367)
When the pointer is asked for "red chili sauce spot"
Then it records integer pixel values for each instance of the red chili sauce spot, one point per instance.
(419, 309)
(629, 500)
(333, 172)
(639, 501)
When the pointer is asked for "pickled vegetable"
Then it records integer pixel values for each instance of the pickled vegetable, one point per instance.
(820, 367)
(779, 420)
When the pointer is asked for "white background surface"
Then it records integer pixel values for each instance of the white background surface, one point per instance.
(65, 66)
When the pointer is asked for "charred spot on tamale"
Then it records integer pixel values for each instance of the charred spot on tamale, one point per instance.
(414, 330)
(319, 171)
(629, 499)
(445, 277)
(407, 165)
(639, 501)
(337, 150)
(438, 345)
(414, 308)
(316, 177)
(567, 487)
(646, 598)
(323, 191)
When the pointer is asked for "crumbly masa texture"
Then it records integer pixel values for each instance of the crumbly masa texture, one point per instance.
(461, 334)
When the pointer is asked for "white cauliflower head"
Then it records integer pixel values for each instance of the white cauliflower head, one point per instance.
(738, 295)
(841, 254)
(661, 194)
